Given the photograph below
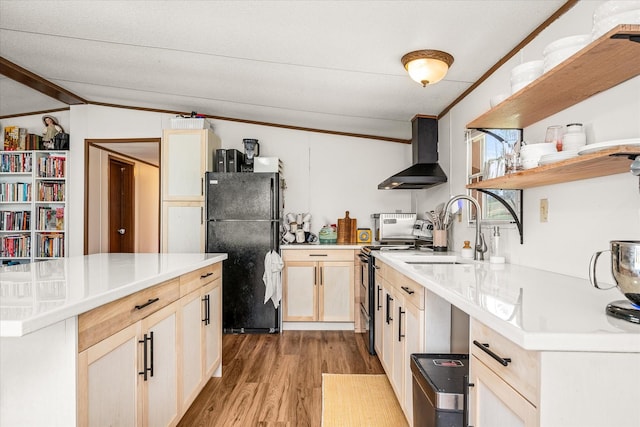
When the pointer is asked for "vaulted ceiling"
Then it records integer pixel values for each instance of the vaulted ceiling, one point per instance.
(331, 65)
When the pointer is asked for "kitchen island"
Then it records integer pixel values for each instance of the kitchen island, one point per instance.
(542, 350)
(40, 331)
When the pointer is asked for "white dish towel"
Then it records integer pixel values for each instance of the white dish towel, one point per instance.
(272, 278)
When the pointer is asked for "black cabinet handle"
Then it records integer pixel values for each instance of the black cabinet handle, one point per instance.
(149, 302)
(318, 254)
(145, 355)
(207, 310)
(504, 361)
(389, 318)
(379, 305)
(465, 400)
(400, 313)
(206, 275)
(408, 290)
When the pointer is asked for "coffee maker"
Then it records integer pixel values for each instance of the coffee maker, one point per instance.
(251, 149)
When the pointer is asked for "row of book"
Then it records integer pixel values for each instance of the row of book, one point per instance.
(16, 163)
(15, 220)
(15, 246)
(51, 245)
(50, 218)
(52, 166)
(51, 191)
(15, 191)
(17, 138)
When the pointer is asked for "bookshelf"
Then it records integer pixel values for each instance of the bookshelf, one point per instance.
(33, 205)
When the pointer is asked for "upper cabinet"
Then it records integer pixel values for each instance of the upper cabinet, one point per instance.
(601, 65)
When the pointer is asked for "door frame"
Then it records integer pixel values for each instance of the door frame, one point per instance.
(95, 143)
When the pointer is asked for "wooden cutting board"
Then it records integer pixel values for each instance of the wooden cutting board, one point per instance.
(347, 229)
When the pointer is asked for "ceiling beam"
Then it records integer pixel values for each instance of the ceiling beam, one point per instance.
(35, 82)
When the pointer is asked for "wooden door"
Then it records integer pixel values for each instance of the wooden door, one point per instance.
(336, 292)
(213, 329)
(191, 314)
(299, 291)
(121, 206)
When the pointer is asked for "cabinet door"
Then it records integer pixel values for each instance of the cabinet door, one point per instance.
(494, 402)
(213, 328)
(378, 313)
(299, 291)
(398, 339)
(413, 341)
(191, 346)
(160, 390)
(183, 164)
(388, 327)
(108, 387)
(183, 227)
(336, 292)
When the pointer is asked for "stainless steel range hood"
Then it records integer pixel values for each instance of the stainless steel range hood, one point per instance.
(425, 171)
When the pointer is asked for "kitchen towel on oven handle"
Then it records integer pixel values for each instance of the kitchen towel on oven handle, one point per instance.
(272, 278)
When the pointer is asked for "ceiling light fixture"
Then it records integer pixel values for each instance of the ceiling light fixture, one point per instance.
(427, 66)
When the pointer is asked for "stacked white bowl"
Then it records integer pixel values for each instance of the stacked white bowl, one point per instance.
(612, 13)
(525, 73)
(530, 154)
(556, 52)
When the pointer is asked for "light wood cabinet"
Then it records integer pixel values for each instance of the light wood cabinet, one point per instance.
(318, 291)
(130, 377)
(144, 358)
(186, 156)
(505, 380)
(201, 339)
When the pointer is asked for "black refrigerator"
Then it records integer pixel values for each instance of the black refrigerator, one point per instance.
(243, 220)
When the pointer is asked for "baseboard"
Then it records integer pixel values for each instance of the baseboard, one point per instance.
(317, 326)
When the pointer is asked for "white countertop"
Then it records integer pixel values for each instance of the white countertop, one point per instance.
(536, 309)
(36, 295)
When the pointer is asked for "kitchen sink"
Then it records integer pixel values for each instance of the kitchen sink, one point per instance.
(431, 262)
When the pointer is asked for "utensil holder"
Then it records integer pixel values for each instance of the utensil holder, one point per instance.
(440, 240)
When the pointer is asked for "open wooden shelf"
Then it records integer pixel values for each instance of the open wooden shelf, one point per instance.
(602, 163)
(601, 65)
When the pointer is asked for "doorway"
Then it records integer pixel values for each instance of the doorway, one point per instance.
(144, 155)
(121, 206)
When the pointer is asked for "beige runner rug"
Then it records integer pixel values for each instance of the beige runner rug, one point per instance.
(359, 400)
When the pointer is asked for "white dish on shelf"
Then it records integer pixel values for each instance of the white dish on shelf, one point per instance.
(598, 146)
(556, 157)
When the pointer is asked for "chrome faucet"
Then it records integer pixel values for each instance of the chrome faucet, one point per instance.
(479, 245)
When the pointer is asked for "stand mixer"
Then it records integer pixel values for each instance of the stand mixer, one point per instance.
(625, 267)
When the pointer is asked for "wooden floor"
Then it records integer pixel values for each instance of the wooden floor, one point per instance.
(276, 380)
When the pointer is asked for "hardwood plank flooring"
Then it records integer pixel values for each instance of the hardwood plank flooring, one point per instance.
(276, 380)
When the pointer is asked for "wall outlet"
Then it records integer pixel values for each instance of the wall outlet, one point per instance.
(544, 210)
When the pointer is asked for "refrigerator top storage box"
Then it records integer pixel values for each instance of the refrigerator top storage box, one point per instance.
(267, 164)
(190, 123)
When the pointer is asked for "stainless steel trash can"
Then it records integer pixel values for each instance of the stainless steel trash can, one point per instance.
(439, 389)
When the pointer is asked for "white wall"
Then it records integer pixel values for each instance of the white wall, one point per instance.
(583, 215)
(326, 175)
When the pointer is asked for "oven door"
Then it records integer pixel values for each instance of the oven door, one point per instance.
(364, 291)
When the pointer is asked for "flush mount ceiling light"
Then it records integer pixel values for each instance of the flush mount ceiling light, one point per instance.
(427, 66)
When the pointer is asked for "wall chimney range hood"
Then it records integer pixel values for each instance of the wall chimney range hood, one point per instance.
(425, 171)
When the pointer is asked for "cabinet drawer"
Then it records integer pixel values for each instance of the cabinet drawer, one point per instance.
(196, 279)
(106, 320)
(522, 372)
(318, 255)
(410, 290)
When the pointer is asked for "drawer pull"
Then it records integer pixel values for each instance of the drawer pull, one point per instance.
(318, 255)
(149, 302)
(206, 275)
(504, 361)
(408, 290)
